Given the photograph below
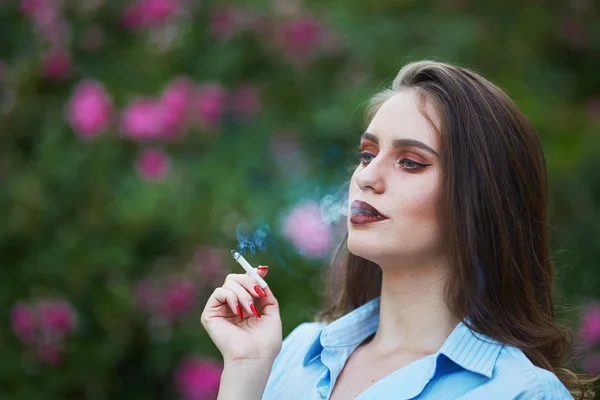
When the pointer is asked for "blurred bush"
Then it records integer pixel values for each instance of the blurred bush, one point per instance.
(142, 140)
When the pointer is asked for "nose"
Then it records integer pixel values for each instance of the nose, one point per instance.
(371, 177)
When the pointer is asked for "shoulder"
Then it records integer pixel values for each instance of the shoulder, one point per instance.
(300, 339)
(513, 369)
(288, 375)
(297, 343)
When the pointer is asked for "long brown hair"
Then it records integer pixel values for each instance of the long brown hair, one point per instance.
(492, 210)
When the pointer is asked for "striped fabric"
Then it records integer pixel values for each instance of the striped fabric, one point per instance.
(468, 366)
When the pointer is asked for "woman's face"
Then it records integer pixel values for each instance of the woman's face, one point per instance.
(398, 175)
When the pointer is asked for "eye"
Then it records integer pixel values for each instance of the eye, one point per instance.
(365, 157)
(412, 164)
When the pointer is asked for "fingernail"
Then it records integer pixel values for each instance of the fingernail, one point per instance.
(263, 267)
(259, 291)
(254, 310)
(239, 310)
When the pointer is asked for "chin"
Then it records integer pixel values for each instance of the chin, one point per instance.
(365, 248)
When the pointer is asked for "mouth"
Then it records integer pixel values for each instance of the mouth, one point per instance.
(361, 208)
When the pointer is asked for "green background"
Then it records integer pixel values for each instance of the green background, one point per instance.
(77, 222)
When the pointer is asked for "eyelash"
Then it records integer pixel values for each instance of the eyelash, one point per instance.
(418, 165)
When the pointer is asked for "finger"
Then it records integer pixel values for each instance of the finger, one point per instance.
(261, 271)
(269, 304)
(243, 296)
(221, 296)
(248, 282)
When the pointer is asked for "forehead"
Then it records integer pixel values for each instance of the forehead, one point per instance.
(401, 117)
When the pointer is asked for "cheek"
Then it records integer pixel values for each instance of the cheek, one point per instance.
(416, 225)
(417, 204)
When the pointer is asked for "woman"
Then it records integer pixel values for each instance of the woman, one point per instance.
(447, 288)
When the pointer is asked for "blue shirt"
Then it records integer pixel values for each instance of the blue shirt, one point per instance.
(468, 366)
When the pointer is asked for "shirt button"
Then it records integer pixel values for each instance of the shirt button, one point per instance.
(323, 391)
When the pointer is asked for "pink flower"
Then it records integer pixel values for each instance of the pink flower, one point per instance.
(49, 23)
(302, 33)
(42, 327)
(132, 17)
(149, 297)
(150, 13)
(198, 379)
(142, 119)
(180, 297)
(31, 7)
(246, 101)
(157, 12)
(56, 32)
(23, 322)
(225, 22)
(210, 104)
(153, 164)
(305, 228)
(49, 354)
(43, 12)
(56, 317)
(590, 325)
(175, 101)
(170, 299)
(57, 65)
(208, 264)
(300, 39)
(89, 111)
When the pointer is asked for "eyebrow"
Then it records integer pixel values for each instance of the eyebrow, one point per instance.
(400, 143)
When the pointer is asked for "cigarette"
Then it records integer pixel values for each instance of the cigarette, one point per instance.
(242, 261)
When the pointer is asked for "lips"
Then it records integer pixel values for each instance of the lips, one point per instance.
(364, 208)
(362, 213)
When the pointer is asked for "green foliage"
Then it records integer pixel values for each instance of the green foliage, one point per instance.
(78, 222)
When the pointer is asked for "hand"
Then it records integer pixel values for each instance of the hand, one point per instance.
(247, 337)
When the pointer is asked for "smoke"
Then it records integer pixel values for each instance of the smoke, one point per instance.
(253, 239)
(260, 238)
(334, 207)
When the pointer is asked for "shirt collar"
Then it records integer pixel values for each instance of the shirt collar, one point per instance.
(470, 350)
(351, 329)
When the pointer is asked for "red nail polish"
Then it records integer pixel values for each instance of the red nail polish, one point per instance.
(254, 310)
(259, 291)
(264, 267)
(239, 310)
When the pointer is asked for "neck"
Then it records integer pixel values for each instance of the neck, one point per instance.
(413, 314)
